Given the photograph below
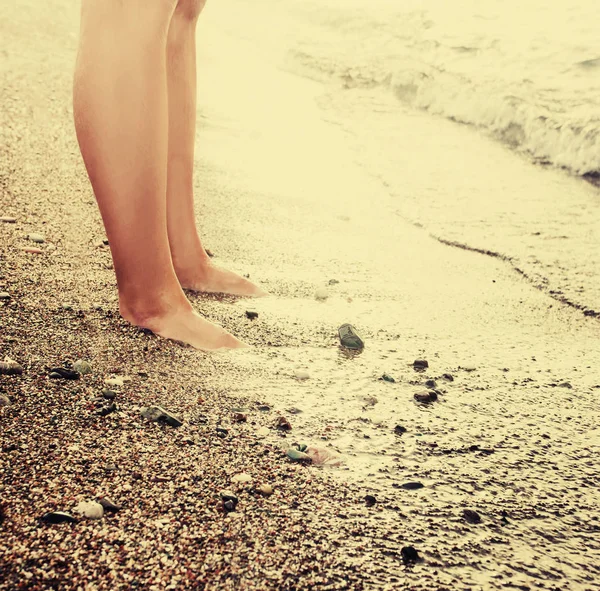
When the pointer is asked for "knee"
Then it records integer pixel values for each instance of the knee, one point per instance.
(189, 10)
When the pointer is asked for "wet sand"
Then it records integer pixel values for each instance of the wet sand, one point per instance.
(513, 437)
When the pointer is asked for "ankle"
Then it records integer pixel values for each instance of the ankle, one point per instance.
(151, 312)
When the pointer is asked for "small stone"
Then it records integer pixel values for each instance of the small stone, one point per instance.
(349, 338)
(65, 374)
(114, 381)
(265, 489)
(251, 314)
(263, 431)
(420, 364)
(431, 384)
(8, 367)
(90, 509)
(565, 385)
(412, 485)
(386, 378)
(370, 500)
(283, 424)
(448, 377)
(32, 250)
(8, 219)
(106, 410)
(4, 295)
(109, 505)
(229, 506)
(242, 478)
(159, 414)
(109, 394)
(426, 396)
(298, 456)
(409, 555)
(468, 368)
(333, 282)
(264, 407)
(82, 367)
(471, 516)
(321, 294)
(239, 417)
(38, 238)
(229, 499)
(399, 430)
(301, 374)
(294, 410)
(4, 400)
(221, 432)
(58, 517)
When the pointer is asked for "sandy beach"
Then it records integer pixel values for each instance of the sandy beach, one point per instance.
(494, 484)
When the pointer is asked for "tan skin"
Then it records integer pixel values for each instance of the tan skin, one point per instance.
(134, 104)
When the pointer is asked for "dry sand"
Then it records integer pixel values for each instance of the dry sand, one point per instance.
(524, 457)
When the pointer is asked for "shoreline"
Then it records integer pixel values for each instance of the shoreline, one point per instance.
(516, 446)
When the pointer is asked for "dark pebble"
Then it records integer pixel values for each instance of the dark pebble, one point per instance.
(349, 338)
(106, 410)
(65, 374)
(565, 385)
(2, 514)
(370, 500)
(448, 377)
(471, 516)
(239, 417)
(387, 378)
(264, 407)
(420, 364)
(426, 396)
(409, 555)
(251, 314)
(399, 429)
(109, 394)
(412, 485)
(58, 517)
(229, 506)
(283, 424)
(333, 282)
(222, 432)
(230, 501)
(109, 505)
(431, 384)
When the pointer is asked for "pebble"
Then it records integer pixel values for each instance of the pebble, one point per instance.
(264, 408)
(265, 489)
(321, 294)
(471, 516)
(409, 554)
(114, 381)
(426, 396)
(420, 364)
(349, 338)
(431, 384)
(90, 509)
(412, 485)
(4, 400)
(58, 517)
(468, 368)
(82, 367)
(565, 385)
(301, 374)
(333, 282)
(399, 430)
(386, 378)
(106, 410)
(38, 238)
(283, 424)
(32, 250)
(230, 501)
(263, 431)
(298, 456)
(448, 377)
(158, 413)
(8, 219)
(8, 367)
(4, 295)
(239, 417)
(370, 500)
(251, 314)
(109, 394)
(109, 505)
(242, 478)
(65, 374)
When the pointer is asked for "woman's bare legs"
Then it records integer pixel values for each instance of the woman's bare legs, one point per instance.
(192, 265)
(121, 120)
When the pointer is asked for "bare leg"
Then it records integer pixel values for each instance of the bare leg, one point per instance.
(120, 109)
(192, 265)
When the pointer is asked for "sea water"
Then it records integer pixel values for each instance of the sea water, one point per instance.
(523, 75)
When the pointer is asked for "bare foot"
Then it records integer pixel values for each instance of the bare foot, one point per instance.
(209, 278)
(186, 326)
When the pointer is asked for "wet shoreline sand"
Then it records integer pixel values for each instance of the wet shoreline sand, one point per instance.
(517, 446)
